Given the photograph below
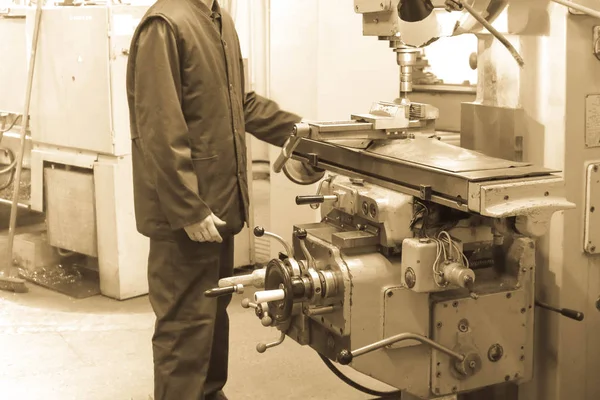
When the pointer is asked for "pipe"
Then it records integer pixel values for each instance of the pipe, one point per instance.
(24, 126)
(583, 9)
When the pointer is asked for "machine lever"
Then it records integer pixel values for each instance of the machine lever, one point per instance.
(224, 291)
(345, 357)
(262, 347)
(301, 235)
(565, 312)
(259, 231)
(314, 199)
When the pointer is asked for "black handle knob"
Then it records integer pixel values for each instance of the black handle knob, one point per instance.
(576, 315)
(259, 231)
(314, 199)
(301, 234)
(565, 312)
(345, 357)
(220, 291)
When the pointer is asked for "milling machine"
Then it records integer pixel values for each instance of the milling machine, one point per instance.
(421, 273)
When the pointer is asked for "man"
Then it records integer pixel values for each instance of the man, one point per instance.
(189, 115)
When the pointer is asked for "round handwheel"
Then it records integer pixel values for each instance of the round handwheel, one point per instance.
(278, 276)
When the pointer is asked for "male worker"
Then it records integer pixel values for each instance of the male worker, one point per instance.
(189, 115)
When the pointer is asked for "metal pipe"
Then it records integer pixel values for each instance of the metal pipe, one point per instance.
(583, 9)
(346, 357)
(24, 126)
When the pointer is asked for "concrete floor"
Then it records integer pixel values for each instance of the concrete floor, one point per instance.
(54, 347)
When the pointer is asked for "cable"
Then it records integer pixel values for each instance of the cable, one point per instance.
(12, 125)
(494, 32)
(354, 384)
(580, 8)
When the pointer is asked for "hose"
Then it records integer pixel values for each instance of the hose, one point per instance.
(10, 168)
(12, 125)
(356, 385)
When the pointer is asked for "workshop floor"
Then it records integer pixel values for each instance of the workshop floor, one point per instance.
(53, 347)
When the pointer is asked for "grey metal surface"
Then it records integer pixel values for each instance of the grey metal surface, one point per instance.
(413, 172)
(483, 332)
(496, 131)
(437, 154)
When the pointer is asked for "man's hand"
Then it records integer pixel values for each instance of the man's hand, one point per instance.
(206, 231)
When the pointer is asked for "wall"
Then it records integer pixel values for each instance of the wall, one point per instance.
(322, 68)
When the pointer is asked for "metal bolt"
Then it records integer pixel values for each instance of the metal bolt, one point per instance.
(463, 325)
(592, 209)
(508, 295)
(455, 304)
(547, 194)
(524, 270)
(506, 197)
(523, 310)
(390, 294)
(410, 278)
(495, 352)
(472, 365)
(438, 325)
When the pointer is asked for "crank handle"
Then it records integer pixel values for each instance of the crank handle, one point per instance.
(262, 347)
(224, 291)
(260, 310)
(345, 357)
(259, 231)
(300, 130)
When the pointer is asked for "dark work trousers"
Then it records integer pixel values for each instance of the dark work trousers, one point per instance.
(191, 336)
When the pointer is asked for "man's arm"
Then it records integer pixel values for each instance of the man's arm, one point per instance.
(162, 127)
(264, 118)
(266, 121)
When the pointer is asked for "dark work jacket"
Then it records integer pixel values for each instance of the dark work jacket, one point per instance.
(189, 114)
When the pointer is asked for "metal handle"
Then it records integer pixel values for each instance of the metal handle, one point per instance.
(300, 130)
(266, 296)
(262, 347)
(314, 199)
(259, 231)
(256, 279)
(224, 291)
(345, 357)
(565, 312)
(301, 235)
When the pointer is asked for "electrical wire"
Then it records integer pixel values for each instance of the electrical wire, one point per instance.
(494, 32)
(578, 7)
(12, 125)
(10, 168)
(355, 384)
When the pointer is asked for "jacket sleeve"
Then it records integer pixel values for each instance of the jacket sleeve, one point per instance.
(264, 118)
(162, 127)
